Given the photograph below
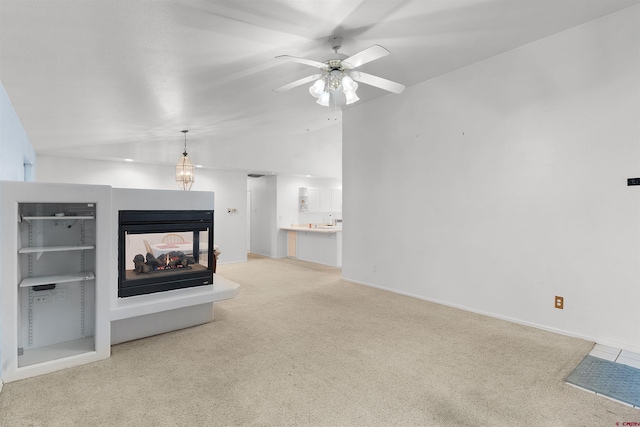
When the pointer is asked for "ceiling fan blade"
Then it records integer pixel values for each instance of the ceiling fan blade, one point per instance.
(369, 54)
(377, 82)
(320, 65)
(298, 83)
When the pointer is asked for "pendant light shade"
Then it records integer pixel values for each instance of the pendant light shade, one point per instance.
(184, 168)
(323, 99)
(317, 89)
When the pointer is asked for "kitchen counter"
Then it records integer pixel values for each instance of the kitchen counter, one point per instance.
(319, 229)
(322, 245)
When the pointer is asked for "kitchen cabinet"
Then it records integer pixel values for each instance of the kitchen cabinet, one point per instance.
(319, 200)
(326, 203)
(303, 199)
(313, 197)
(336, 200)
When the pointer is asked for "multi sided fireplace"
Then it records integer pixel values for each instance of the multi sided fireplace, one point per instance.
(164, 250)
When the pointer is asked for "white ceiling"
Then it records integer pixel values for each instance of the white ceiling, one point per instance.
(102, 76)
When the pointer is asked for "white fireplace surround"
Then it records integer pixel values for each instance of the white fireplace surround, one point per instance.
(116, 319)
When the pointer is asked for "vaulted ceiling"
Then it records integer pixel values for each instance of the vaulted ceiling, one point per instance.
(112, 78)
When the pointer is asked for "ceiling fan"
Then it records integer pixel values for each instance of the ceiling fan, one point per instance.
(336, 83)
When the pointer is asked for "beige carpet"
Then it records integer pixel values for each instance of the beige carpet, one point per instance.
(299, 346)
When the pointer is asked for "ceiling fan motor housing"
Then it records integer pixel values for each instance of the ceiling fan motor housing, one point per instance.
(335, 64)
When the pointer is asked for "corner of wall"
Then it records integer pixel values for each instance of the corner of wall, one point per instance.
(12, 135)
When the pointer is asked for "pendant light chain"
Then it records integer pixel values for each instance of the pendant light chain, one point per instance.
(185, 142)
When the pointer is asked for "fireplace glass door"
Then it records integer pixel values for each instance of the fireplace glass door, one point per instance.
(164, 250)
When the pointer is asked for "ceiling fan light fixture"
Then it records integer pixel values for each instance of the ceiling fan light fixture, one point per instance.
(336, 85)
(348, 85)
(323, 99)
(351, 96)
(335, 80)
(317, 89)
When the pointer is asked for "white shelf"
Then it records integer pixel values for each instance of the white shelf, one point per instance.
(59, 278)
(35, 249)
(55, 218)
(56, 351)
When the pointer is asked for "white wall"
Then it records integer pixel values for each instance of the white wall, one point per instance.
(263, 215)
(230, 188)
(15, 148)
(16, 151)
(498, 186)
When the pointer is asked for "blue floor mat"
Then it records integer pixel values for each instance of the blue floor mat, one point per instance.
(615, 380)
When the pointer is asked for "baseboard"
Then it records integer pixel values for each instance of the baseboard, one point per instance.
(1, 384)
(608, 343)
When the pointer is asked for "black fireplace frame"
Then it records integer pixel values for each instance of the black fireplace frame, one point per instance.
(165, 221)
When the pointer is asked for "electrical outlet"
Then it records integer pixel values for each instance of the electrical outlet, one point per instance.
(42, 298)
(559, 302)
(375, 268)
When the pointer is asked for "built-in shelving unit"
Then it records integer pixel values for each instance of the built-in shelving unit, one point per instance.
(56, 258)
(54, 279)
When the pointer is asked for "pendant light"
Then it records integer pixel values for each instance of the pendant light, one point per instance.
(184, 169)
